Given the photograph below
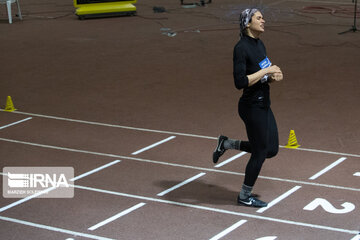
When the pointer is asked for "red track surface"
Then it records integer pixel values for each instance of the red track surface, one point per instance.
(84, 83)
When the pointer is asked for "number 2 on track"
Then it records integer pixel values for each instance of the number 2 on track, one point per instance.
(328, 207)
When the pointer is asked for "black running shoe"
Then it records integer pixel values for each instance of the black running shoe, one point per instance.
(252, 202)
(219, 150)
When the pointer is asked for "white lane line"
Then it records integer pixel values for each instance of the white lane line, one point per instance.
(26, 199)
(95, 170)
(54, 229)
(178, 165)
(160, 131)
(153, 145)
(14, 123)
(230, 159)
(51, 188)
(228, 230)
(357, 174)
(340, 160)
(181, 184)
(217, 210)
(323, 151)
(357, 237)
(278, 199)
(121, 214)
(112, 125)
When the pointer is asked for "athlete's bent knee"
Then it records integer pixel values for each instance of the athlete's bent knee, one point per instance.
(272, 152)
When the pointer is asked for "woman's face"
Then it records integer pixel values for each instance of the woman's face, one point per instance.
(257, 23)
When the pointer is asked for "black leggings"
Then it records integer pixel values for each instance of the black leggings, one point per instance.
(263, 138)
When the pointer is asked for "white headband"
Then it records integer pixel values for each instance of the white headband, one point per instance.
(245, 18)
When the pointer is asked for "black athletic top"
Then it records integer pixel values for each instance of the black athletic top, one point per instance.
(249, 57)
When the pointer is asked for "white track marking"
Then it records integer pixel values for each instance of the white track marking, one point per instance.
(52, 188)
(119, 215)
(357, 237)
(26, 199)
(328, 207)
(228, 230)
(340, 160)
(357, 174)
(160, 131)
(267, 238)
(94, 170)
(278, 199)
(153, 145)
(177, 165)
(217, 210)
(322, 151)
(54, 229)
(111, 125)
(14, 123)
(230, 159)
(181, 184)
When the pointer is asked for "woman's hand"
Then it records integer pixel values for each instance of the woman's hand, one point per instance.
(275, 73)
(278, 76)
(273, 69)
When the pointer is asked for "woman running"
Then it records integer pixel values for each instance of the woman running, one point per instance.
(253, 72)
